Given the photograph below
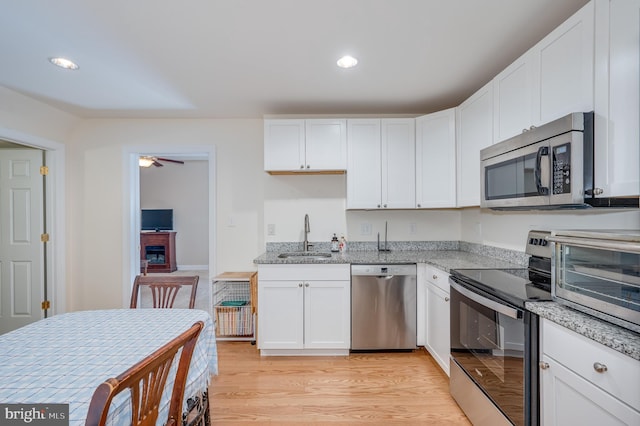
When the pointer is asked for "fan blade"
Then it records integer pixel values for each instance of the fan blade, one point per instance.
(169, 160)
(155, 163)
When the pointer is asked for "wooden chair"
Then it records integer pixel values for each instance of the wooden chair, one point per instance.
(164, 289)
(146, 381)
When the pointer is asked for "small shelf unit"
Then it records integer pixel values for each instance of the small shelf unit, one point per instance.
(234, 301)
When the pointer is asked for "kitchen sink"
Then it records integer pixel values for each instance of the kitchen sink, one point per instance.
(305, 255)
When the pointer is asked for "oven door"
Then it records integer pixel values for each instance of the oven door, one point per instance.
(488, 340)
(517, 178)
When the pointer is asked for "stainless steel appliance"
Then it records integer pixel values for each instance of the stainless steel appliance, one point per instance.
(548, 167)
(598, 272)
(494, 340)
(383, 307)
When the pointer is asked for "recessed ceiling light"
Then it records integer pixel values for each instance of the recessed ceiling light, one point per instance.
(64, 63)
(347, 62)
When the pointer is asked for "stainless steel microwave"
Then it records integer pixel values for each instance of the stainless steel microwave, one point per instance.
(550, 166)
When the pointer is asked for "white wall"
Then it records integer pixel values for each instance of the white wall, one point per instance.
(509, 229)
(97, 194)
(183, 188)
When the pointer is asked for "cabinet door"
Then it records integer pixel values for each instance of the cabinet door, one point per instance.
(281, 316)
(474, 123)
(398, 163)
(513, 99)
(284, 145)
(568, 399)
(563, 68)
(327, 320)
(363, 164)
(436, 159)
(326, 144)
(617, 98)
(438, 321)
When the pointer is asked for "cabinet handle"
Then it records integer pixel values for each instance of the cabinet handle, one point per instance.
(299, 284)
(600, 368)
(385, 206)
(306, 284)
(308, 166)
(544, 365)
(446, 299)
(435, 277)
(378, 205)
(302, 166)
(419, 205)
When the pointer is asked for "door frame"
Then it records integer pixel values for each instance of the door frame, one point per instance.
(131, 205)
(55, 214)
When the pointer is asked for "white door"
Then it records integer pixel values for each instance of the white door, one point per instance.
(21, 225)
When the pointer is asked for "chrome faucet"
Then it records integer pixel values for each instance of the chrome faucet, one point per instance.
(307, 229)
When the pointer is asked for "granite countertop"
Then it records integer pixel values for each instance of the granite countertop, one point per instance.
(617, 338)
(445, 260)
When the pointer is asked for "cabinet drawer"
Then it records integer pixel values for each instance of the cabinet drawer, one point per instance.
(334, 272)
(579, 354)
(439, 278)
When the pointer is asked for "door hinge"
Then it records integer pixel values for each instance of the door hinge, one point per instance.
(46, 305)
(44, 238)
(44, 170)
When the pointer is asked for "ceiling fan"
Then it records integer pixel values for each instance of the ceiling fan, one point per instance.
(146, 161)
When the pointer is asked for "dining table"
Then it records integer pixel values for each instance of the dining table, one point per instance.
(64, 358)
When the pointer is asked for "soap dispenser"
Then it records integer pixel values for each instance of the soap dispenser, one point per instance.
(335, 243)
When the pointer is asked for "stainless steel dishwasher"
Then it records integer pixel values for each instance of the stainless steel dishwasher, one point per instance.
(383, 307)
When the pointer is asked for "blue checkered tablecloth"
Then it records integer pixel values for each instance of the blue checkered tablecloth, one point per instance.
(63, 359)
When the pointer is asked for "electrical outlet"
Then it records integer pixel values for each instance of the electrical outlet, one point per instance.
(271, 229)
(365, 229)
(413, 228)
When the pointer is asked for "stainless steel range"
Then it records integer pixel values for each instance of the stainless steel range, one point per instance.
(494, 340)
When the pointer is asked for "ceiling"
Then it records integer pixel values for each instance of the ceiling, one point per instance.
(249, 58)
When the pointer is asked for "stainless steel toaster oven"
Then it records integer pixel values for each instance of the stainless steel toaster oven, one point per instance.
(598, 272)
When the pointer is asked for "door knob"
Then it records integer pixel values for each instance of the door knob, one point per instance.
(544, 365)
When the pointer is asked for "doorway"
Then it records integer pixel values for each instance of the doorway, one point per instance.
(133, 205)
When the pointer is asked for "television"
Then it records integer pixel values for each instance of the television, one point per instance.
(156, 219)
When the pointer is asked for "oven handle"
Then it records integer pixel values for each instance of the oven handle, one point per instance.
(491, 304)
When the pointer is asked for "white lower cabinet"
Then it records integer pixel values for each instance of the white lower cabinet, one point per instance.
(304, 309)
(582, 382)
(433, 314)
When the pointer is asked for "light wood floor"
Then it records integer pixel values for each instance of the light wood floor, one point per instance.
(372, 388)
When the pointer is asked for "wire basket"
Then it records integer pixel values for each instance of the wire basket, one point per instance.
(233, 309)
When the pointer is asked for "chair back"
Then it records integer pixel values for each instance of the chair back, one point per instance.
(163, 289)
(146, 381)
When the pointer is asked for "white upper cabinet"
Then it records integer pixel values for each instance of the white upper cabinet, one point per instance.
(436, 160)
(381, 163)
(474, 131)
(512, 99)
(617, 98)
(563, 69)
(364, 182)
(326, 144)
(552, 79)
(398, 163)
(305, 145)
(284, 145)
